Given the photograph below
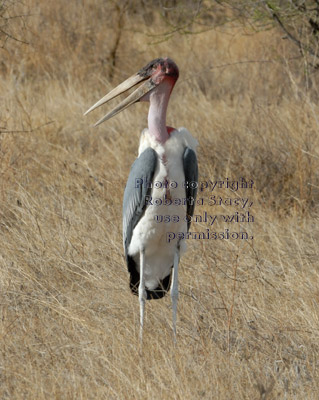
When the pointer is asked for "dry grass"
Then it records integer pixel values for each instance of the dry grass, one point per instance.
(69, 325)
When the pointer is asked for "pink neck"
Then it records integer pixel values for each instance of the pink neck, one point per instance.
(157, 112)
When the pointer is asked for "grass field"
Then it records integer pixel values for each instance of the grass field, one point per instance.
(248, 317)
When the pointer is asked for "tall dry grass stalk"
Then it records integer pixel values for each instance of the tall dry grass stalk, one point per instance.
(248, 310)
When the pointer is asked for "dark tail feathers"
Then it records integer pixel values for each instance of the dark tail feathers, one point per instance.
(154, 294)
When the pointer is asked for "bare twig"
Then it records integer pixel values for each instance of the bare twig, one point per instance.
(2, 130)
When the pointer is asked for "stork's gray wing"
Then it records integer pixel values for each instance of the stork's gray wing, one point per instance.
(191, 181)
(137, 187)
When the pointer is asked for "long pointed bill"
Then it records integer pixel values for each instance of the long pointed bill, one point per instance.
(131, 99)
(123, 87)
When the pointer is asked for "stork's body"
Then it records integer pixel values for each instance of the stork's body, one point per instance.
(162, 212)
(160, 193)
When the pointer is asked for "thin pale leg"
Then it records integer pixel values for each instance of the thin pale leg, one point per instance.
(174, 290)
(142, 292)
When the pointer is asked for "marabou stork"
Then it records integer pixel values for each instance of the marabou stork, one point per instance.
(160, 193)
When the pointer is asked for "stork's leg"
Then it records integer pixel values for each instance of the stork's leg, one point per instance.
(174, 289)
(142, 292)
